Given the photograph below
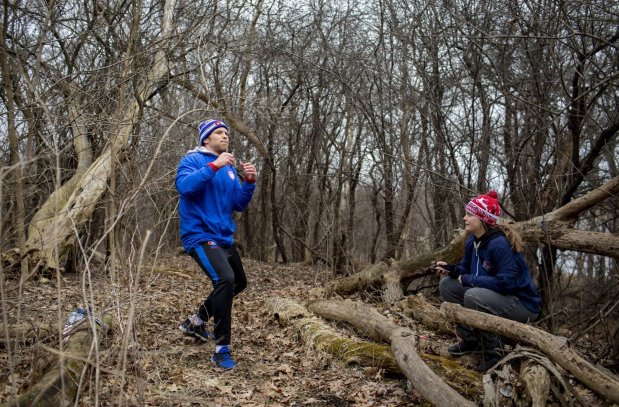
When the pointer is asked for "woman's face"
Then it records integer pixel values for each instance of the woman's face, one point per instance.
(473, 225)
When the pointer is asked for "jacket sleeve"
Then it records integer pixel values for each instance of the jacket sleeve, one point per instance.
(456, 270)
(243, 194)
(505, 280)
(191, 177)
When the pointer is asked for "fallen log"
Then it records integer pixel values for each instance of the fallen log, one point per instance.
(554, 228)
(418, 308)
(427, 383)
(373, 275)
(530, 388)
(381, 274)
(174, 271)
(60, 384)
(556, 348)
(432, 386)
(415, 267)
(27, 331)
(314, 332)
(286, 310)
(490, 396)
(366, 319)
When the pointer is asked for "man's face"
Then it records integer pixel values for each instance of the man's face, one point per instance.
(218, 141)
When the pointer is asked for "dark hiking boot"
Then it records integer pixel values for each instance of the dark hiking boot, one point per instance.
(488, 360)
(198, 331)
(464, 347)
(187, 327)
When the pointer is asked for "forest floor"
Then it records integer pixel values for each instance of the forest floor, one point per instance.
(166, 368)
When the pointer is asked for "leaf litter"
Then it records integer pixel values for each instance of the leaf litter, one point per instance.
(166, 368)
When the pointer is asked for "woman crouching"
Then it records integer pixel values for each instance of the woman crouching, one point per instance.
(492, 277)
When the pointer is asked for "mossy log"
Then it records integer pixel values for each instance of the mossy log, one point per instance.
(368, 321)
(60, 384)
(314, 332)
(557, 348)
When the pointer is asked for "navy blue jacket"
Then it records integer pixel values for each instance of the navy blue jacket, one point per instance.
(496, 266)
(208, 198)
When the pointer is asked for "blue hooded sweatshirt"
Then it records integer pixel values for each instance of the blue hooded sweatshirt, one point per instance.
(494, 265)
(208, 198)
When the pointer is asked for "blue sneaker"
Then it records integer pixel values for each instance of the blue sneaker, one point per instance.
(198, 331)
(223, 359)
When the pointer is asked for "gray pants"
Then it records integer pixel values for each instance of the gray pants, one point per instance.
(484, 300)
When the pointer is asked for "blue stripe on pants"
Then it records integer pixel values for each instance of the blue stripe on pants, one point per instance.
(206, 264)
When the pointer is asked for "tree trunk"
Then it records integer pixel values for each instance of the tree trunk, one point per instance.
(378, 221)
(51, 210)
(8, 84)
(59, 234)
(389, 207)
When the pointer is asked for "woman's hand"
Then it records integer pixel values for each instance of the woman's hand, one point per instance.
(440, 268)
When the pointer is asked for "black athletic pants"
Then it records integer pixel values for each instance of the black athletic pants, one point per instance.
(223, 266)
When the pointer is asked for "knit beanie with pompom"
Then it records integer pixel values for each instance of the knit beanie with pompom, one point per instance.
(485, 207)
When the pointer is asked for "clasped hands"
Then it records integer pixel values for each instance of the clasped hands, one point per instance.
(249, 171)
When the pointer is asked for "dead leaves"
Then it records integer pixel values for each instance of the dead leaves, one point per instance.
(167, 368)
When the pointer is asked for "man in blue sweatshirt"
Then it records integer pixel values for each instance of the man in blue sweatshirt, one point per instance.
(210, 191)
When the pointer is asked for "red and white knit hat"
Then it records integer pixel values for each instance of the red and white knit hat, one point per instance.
(485, 207)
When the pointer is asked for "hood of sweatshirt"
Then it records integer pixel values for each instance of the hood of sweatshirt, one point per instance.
(483, 241)
(201, 149)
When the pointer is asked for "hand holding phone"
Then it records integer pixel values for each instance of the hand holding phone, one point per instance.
(439, 268)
